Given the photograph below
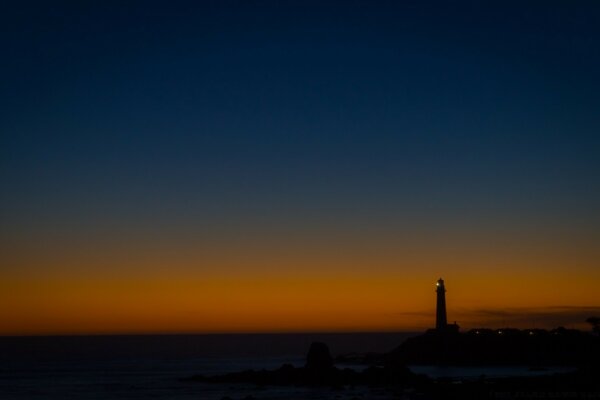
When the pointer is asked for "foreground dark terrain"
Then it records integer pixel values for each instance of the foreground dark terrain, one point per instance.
(538, 349)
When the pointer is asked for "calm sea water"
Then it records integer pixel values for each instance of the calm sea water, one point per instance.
(136, 367)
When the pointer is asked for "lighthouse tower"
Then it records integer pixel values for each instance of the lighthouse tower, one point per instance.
(441, 322)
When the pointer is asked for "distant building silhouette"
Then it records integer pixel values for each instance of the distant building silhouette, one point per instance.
(441, 320)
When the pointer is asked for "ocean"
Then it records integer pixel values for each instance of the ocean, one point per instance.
(152, 366)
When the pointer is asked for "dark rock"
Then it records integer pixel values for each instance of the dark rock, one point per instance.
(319, 371)
(318, 357)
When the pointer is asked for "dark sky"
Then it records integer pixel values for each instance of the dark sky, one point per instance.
(434, 124)
(287, 101)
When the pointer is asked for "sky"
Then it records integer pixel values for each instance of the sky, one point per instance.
(261, 166)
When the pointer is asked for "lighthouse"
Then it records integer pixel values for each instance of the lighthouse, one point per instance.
(441, 321)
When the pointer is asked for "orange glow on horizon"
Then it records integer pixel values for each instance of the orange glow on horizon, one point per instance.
(268, 303)
(147, 281)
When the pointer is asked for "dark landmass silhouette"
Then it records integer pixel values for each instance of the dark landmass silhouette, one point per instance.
(534, 348)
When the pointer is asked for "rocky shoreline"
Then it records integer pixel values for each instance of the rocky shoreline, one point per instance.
(390, 371)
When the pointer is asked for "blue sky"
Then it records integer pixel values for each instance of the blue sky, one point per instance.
(300, 113)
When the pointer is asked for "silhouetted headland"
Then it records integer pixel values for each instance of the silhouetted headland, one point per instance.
(534, 347)
(320, 371)
(445, 345)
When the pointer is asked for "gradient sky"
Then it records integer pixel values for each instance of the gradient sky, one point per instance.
(297, 166)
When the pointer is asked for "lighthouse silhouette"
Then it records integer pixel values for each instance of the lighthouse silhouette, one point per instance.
(441, 320)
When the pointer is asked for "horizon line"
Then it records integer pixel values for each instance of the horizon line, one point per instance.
(216, 333)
